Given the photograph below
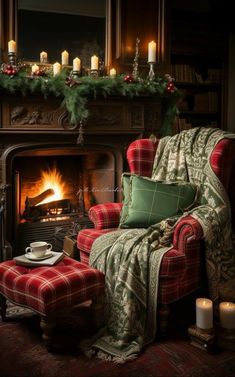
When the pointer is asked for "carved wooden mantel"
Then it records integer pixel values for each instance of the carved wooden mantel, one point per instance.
(113, 122)
(111, 116)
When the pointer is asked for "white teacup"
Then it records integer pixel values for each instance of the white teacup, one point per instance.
(38, 249)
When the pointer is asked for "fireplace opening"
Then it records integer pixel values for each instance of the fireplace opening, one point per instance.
(52, 189)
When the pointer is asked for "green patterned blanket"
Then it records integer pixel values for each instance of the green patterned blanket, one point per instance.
(131, 258)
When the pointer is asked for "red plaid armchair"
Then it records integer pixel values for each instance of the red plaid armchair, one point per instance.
(181, 271)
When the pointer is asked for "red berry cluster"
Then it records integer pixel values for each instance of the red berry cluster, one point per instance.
(128, 79)
(170, 87)
(9, 70)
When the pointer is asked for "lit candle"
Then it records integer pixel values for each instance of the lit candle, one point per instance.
(152, 52)
(204, 313)
(56, 68)
(112, 72)
(65, 57)
(43, 57)
(76, 64)
(11, 46)
(34, 68)
(227, 315)
(94, 62)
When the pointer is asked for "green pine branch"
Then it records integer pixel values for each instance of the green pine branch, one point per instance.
(75, 93)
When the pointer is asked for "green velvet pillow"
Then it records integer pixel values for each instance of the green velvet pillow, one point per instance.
(147, 202)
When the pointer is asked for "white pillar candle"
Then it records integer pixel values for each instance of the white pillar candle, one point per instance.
(227, 315)
(34, 68)
(65, 57)
(76, 64)
(11, 46)
(94, 62)
(56, 68)
(152, 52)
(43, 57)
(112, 72)
(204, 313)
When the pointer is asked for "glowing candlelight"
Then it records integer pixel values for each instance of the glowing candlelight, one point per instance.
(112, 72)
(152, 52)
(43, 57)
(76, 64)
(34, 68)
(204, 313)
(56, 68)
(227, 315)
(11, 46)
(65, 57)
(94, 62)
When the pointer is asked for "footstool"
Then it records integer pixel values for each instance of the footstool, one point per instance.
(51, 290)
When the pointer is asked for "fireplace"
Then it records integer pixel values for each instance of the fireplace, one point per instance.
(52, 186)
(90, 173)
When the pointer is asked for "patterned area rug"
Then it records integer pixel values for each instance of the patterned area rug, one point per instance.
(23, 353)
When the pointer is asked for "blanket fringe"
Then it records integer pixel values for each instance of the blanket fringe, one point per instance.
(115, 359)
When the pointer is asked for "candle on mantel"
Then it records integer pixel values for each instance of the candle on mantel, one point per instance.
(76, 64)
(11, 46)
(112, 72)
(65, 57)
(152, 52)
(34, 68)
(227, 315)
(43, 57)
(204, 313)
(94, 62)
(56, 68)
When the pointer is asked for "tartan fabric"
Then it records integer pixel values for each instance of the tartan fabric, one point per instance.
(86, 237)
(48, 289)
(105, 215)
(140, 156)
(222, 160)
(180, 272)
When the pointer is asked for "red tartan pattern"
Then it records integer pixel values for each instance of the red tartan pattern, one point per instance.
(86, 237)
(140, 156)
(222, 160)
(181, 269)
(105, 215)
(48, 289)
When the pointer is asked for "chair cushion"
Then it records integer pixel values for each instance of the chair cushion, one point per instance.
(148, 202)
(48, 289)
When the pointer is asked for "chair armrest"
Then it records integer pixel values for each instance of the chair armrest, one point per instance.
(105, 215)
(186, 231)
(184, 257)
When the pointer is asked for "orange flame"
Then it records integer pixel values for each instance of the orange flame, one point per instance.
(52, 179)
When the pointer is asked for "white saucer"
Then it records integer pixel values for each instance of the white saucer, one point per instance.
(31, 256)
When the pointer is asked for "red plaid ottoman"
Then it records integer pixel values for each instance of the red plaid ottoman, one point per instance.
(49, 290)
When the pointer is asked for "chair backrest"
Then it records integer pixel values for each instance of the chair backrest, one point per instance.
(140, 156)
(141, 153)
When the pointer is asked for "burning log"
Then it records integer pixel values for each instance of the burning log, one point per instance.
(31, 202)
(53, 208)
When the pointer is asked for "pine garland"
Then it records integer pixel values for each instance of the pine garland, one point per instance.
(77, 91)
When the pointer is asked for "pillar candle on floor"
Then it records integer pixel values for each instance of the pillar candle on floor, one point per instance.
(204, 313)
(227, 315)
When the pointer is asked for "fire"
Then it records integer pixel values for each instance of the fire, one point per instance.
(52, 179)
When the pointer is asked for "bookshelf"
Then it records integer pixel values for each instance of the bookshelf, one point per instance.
(197, 63)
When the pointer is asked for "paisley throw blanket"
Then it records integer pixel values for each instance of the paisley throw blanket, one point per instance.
(131, 258)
